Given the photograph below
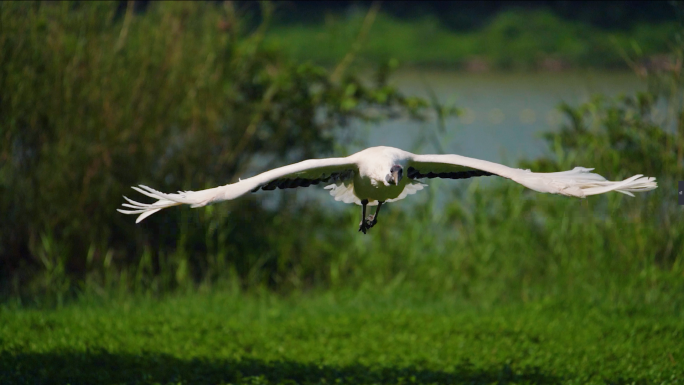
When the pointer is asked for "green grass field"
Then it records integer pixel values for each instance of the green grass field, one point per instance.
(340, 338)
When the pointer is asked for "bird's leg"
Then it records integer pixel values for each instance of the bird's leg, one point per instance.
(363, 227)
(371, 220)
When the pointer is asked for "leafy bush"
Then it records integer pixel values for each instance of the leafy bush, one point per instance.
(178, 97)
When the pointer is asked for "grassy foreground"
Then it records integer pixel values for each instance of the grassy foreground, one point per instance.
(338, 338)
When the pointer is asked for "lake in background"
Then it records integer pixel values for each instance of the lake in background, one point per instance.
(503, 114)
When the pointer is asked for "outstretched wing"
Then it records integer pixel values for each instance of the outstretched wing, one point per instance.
(302, 174)
(578, 182)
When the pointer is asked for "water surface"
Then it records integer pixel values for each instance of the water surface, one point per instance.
(503, 113)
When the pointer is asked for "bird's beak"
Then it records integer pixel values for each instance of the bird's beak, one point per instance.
(396, 176)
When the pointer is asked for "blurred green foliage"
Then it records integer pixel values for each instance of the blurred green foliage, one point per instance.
(512, 40)
(182, 98)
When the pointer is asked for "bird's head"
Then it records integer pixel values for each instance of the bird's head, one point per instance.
(395, 175)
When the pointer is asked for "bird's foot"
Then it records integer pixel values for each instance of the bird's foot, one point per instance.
(371, 221)
(363, 227)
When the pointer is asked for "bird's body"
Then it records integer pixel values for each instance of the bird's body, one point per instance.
(370, 182)
(385, 174)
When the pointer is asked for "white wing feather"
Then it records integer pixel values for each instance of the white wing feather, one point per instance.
(308, 169)
(578, 182)
(344, 192)
(410, 189)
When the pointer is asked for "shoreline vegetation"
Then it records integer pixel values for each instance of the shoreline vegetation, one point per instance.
(514, 40)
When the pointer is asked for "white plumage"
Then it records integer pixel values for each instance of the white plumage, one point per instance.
(376, 175)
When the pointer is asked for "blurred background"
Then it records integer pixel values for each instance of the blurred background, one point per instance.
(98, 97)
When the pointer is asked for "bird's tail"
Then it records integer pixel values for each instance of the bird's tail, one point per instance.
(193, 198)
(581, 182)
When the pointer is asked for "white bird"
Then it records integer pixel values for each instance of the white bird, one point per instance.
(384, 174)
